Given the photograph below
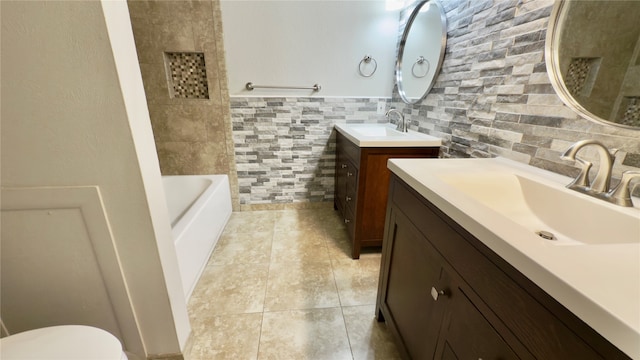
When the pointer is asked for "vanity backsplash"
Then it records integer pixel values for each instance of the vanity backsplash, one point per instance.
(494, 98)
(285, 147)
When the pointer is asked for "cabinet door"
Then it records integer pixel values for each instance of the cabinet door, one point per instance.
(466, 334)
(414, 269)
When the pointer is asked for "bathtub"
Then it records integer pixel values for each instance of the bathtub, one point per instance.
(199, 208)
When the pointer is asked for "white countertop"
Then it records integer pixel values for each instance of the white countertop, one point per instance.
(598, 283)
(369, 138)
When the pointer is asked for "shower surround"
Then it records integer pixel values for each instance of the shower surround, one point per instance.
(181, 57)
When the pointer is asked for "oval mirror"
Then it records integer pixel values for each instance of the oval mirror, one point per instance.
(592, 54)
(421, 51)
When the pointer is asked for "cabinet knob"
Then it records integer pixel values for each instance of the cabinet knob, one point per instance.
(435, 293)
(346, 221)
(344, 166)
(349, 173)
(348, 198)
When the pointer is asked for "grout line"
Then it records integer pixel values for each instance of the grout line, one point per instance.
(266, 285)
(260, 336)
(344, 320)
(346, 330)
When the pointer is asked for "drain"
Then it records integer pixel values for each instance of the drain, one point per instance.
(546, 235)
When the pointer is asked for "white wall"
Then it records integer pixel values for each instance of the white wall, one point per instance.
(304, 42)
(116, 14)
(74, 114)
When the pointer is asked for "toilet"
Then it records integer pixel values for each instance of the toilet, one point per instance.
(68, 342)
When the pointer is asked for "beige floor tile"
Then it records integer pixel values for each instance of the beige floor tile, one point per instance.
(339, 246)
(371, 253)
(250, 221)
(278, 278)
(369, 339)
(338, 243)
(230, 289)
(332, 219)
(357, 280)
(308, 220)
(300, 285)
(243, 248)
(226, 337)
(298, 246)
(317, 334)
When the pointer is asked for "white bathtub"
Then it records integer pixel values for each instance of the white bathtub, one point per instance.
(199, 208)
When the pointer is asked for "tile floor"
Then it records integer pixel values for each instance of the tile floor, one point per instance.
(281, 285)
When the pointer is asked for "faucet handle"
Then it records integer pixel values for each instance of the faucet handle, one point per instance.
(582, 180)
(621, 194)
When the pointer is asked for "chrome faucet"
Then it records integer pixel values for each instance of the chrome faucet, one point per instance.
(402, 124)
(599, 188)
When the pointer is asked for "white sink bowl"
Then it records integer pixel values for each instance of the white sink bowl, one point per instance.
(537, 205)
(375, 131)
(385, 135)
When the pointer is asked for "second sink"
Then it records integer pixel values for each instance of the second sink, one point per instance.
(385, 135)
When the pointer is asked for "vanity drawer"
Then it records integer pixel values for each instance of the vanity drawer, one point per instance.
(349, 149)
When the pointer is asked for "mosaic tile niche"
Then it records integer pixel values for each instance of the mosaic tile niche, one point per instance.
(187, 75)
(581, 75)
(631, 114)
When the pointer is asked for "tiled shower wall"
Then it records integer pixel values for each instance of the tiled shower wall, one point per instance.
(181, 56)
(493, 98)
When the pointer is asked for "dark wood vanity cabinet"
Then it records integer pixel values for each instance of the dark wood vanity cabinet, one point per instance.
(445, 295)
(361, 184)
(408, 299)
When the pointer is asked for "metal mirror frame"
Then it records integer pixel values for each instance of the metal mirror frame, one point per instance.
(552, 59)
(403, 41)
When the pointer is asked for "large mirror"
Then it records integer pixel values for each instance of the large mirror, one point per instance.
(421, 51)
(593, 59)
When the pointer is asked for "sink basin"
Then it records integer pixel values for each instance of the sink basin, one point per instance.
(385, 135)
(375, 131)
(565, 215)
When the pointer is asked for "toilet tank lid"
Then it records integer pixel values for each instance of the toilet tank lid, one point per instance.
(62, 342)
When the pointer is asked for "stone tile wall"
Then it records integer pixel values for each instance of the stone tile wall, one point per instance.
(192, 131)
(494, 98)
(285, 147)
